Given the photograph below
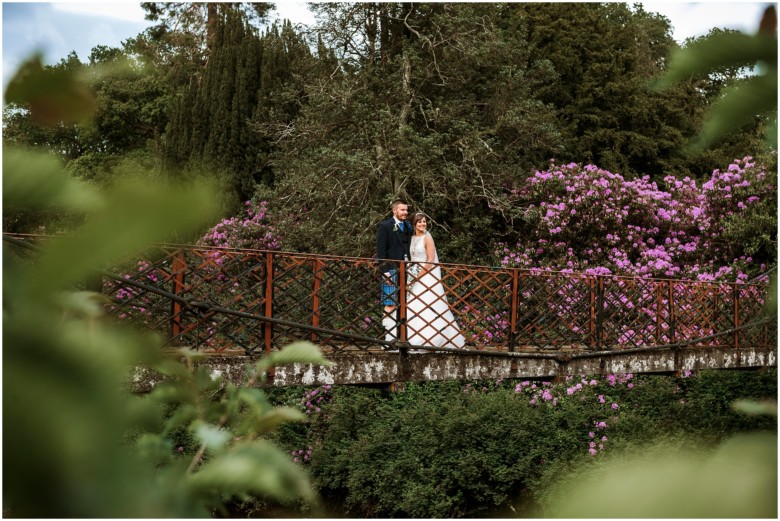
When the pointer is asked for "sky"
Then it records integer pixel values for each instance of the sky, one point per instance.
(57, 28)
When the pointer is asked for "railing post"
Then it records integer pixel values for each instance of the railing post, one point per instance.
(402, 300)
(269, 302)
(659, 289)
(593, 342)
(178, 270)
(315, 313)
(767, 327)
(599, 311)
(671, 312)
(514, 306)
(735, 292)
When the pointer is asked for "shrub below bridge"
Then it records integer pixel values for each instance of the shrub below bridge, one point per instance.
(481, 449)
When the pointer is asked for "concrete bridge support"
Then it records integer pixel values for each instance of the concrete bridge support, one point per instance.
(381, 368)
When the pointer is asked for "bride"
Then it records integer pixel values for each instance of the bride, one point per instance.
(429, 319)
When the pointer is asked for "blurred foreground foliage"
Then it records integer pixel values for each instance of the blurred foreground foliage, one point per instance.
(736, 480)
(76, 443)
(745, 100)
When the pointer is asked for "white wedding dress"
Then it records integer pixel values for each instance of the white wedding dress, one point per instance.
(430, 321)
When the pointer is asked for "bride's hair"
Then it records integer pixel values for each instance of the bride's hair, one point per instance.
(417, 217)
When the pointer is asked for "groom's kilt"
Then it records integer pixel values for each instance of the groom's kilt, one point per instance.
(390, 289)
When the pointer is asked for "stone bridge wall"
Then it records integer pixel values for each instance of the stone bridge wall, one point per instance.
(366, 368)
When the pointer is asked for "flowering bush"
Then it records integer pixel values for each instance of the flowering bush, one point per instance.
(482, 327)
(587, 219)
(251, 232)
(588, 390)
(314, 399)
(301, 455)
(132, 303)
(465, 449)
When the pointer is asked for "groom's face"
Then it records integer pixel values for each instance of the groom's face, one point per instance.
(401, 211)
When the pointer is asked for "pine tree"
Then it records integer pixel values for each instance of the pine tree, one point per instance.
(218, 122)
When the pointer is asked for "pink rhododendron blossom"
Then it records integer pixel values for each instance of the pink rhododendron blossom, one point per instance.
(605, 223)
(251, 232)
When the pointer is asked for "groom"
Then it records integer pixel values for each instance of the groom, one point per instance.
(392, 243)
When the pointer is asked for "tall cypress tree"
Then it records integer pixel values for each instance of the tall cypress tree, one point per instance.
(243, 87)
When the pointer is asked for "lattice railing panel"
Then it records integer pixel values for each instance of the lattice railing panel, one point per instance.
(481, 303)
(140, 306)
(229, 279)
(751, 303)
(336, 294)
(702, 309)
(554, 310)
(494, 308)
(349, 299)
(234, 280)
(630, 314)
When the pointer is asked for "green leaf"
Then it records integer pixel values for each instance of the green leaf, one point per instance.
(755, 408)
(737, 106)
(255, 399)
(191, 355)
(299, 353)
(650, 483)
(256, 468)
(88, 304)
(277, 416)
(183, 415)
(132, 219)
(212, 436)
(154, 447)
(52, 95)
(35, 179)
(169, 391)
(169, 367)
(723, 50)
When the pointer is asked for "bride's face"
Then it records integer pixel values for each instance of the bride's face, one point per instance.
(421, 225)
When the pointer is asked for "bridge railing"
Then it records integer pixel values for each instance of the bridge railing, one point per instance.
(211, 299)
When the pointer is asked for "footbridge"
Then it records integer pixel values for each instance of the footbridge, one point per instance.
(236, 304)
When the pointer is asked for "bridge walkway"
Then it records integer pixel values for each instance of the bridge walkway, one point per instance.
(236, 304)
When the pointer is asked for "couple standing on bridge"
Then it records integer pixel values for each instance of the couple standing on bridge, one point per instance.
(430, 321)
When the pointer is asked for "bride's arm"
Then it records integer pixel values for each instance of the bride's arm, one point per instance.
(430, 252)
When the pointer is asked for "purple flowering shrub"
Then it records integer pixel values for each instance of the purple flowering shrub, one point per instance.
(252, 231)
(315, 399)
(484, 327)
(132, 303)
(301, 455)
(312, 402)
(587, 219)
(602, 394)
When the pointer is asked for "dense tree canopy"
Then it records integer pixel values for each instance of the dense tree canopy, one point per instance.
(447, 105)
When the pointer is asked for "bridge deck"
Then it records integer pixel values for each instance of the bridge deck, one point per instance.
(515, 322)
(376, 367)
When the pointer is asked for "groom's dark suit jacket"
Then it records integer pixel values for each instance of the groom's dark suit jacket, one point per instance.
(392, 244)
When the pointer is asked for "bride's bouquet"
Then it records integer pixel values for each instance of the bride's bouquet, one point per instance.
(412, 274)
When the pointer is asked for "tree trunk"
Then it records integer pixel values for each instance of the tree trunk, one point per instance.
(212, 19)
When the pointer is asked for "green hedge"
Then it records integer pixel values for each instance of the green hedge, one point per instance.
(483, 448)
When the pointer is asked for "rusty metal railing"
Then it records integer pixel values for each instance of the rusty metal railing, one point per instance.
(251, 300)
